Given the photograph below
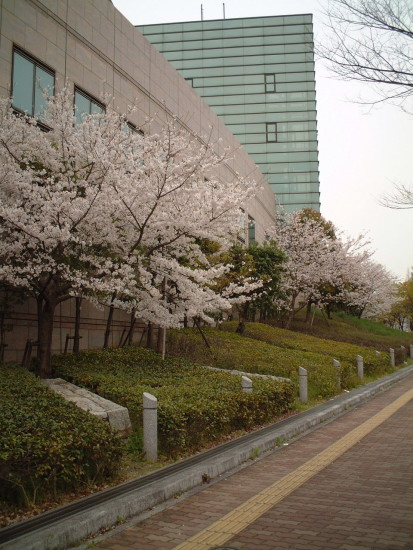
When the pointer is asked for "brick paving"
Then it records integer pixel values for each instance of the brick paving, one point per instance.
(363, 500)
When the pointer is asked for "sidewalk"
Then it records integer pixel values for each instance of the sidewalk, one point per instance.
(358, 494)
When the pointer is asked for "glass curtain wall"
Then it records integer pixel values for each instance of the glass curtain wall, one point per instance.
(257, 74)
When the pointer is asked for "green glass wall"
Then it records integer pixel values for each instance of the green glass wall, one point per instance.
(257, 74)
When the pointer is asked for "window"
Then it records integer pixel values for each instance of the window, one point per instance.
(130, 128)
(31, 80)
(269, 80)
(86, 105)
(271, 132)
(241, 226)
(251, 230)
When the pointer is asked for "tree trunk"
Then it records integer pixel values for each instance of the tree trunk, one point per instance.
(243, 313)
(289, 320)
(291, 314)
(308, 313)
(160, 345)
(129, 336)
(149, 337)
(108, 326)
(45, 311)
(241, 327)
(76, 336)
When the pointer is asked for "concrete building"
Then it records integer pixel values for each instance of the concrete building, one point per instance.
(91, 47)
(257, 74)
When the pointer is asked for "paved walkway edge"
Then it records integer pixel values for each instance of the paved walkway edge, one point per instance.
(65, 533)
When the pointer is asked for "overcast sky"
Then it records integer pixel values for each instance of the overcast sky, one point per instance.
(363, 151)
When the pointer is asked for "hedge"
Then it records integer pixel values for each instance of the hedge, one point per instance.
(48, 446)
(196, 406)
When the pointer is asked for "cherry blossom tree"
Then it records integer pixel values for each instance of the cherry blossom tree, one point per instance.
(310, 264)
(370, 290)
(178, 203)
(116, 217)
(324, 268)
(401, 314)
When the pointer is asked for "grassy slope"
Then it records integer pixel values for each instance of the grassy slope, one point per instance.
(324, 344)
(362, 332)
(271, 350)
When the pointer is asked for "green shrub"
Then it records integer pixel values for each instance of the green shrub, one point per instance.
(232, 351)
(196, 406)
(47, 445)
(218, 411)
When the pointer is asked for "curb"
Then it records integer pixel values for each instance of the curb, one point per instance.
(67, 525)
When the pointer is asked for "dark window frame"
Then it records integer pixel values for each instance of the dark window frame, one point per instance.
(271, 132)
(89, 97)
(270, 83)
(134, 129)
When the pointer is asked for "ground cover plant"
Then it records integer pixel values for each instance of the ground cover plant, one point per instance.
(373, 365)
(47, 445)
(195, 405)
(231, 351)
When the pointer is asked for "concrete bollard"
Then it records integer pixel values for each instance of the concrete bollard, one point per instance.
(360, 367)
(246, 384)
(337, 365)
(392, 361)
(303, 379)
(150, 427)
(411, 351)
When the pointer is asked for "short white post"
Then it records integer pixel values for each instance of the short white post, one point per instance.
(246, 384)
(150, 427)
(360, 367)
(392, 361)
(411, 351)
(377, 353)
(303, 378)
(337, 365)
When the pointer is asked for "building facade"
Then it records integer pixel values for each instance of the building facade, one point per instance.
(90, 47)
(257, 74)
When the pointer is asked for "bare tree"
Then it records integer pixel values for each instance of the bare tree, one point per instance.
(400, 199)
(372, 41)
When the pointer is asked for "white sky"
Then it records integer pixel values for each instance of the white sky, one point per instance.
(363, 151)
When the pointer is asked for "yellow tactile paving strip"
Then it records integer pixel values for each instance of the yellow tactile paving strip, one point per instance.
(244, 515)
